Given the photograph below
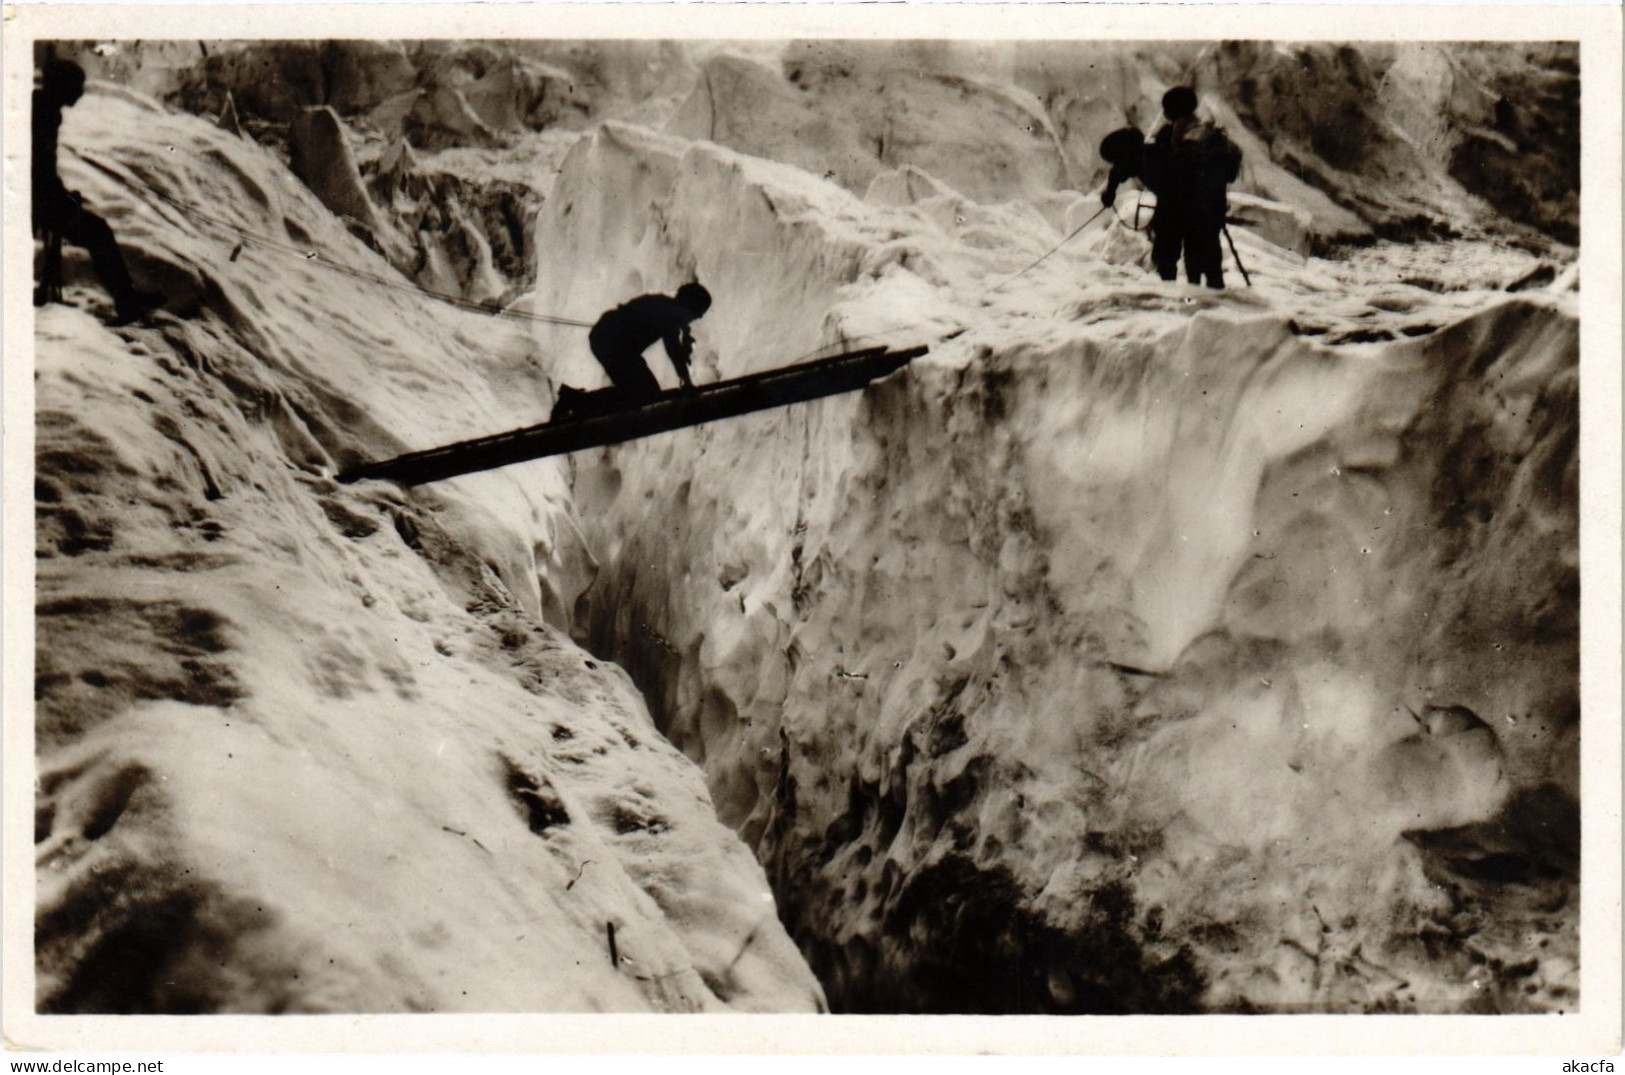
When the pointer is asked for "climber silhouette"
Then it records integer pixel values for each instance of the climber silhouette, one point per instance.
(62, 211)
(1188, 164)
(621, 336)
(1125, 150)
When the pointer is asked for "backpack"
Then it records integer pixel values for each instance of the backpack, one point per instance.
(1204, 155)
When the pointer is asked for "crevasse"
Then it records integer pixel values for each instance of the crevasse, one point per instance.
(1087, 663)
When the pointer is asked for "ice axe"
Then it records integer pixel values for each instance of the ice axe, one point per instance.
(1247, 279)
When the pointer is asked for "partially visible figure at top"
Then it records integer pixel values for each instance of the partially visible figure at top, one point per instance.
(621, 336)
(56, 208)
(1188, 165)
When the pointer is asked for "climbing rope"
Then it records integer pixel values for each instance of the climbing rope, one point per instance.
(848, 341)
(245, 235)
(401, 285)
(1053, 249)
(315, 256)
(318, 258)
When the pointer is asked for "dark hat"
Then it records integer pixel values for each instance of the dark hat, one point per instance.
(695, 298)
(1123, 145)
(1179, 102)
(63, 79)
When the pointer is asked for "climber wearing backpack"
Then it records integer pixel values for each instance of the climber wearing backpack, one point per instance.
(1189, 165)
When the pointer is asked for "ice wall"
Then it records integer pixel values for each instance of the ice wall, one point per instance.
(316, 748)
(1396, 140)
(1131, 652)
(850, 112)
(1400, 141)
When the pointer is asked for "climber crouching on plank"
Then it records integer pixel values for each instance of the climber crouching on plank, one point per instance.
(621, 336)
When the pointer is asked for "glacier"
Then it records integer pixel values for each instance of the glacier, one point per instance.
(1140, 649)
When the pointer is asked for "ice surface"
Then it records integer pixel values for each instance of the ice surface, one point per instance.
(1142, 648)
(1109, 617)
(305, 747)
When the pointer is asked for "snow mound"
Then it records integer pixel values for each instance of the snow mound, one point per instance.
(307, 747)
(1133, 651)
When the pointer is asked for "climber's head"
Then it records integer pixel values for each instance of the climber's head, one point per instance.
(1123, 146)
(1179, 103)
(694, 298)
(63, 82)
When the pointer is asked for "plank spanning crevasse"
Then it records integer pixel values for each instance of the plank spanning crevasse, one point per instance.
(673, 410)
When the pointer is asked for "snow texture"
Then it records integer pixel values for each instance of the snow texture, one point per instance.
(305, 747)
(1142, 648)
(1087, 664)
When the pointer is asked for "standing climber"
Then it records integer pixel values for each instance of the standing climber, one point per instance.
(1198, 161)
(60, 210)
(621, 336)
(1187, 165)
